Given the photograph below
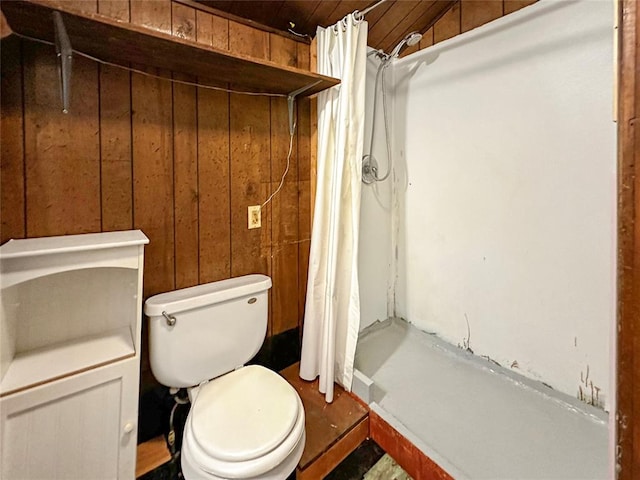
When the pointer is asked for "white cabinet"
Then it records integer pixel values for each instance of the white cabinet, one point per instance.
(70, 318)
(79, 427)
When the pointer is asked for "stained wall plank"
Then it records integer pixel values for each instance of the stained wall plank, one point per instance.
(324, 10)
(212, 30)
(478, 13)
(85, 6)
(250, 183)
(511, 6)
(213, 185)
(427, 39)
(154, 14)
(448, 26)
(183, 21)
(153, 197)
(62, 152)
(204, 28)
(282, 50)
(185, 160)
(250, 162)
(284, 208)
(213, 161)
(115, 149)
(303, 56)
(12, 195)
(469, 14)
(250, 167)
(284, 205)
(115, 135)
(118, 9)
(389, 30)
(248, 40)
(185, 164)
(338, 13)
(383, 30)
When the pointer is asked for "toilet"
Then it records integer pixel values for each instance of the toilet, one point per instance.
(245, 422)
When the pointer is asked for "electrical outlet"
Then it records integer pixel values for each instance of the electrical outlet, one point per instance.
(254, 216)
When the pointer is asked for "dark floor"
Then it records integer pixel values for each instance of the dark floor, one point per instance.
(358, 463)
(352, 468)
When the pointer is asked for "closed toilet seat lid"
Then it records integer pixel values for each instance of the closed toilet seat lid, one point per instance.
(244, 414)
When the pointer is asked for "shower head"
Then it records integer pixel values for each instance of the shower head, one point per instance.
(408, 41)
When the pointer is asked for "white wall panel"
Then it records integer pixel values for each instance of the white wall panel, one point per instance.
(508, 214)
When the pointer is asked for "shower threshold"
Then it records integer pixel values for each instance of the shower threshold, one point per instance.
(473, 418)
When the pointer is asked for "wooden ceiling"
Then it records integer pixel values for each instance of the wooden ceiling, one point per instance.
(388, 23)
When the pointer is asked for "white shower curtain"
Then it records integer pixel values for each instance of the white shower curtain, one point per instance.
(332, 313)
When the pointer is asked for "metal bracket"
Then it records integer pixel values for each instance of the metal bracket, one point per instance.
(291, 100)
(64, 53)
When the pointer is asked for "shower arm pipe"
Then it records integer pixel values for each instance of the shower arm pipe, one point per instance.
(360, 14)
(386, 122)
(373, 123)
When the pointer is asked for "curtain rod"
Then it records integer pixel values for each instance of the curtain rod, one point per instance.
(360, 14)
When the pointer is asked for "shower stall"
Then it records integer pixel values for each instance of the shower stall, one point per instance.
(487, 257)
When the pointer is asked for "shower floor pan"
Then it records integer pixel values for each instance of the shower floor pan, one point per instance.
(476, 420)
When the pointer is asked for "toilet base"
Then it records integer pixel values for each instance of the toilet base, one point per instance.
(191, 471)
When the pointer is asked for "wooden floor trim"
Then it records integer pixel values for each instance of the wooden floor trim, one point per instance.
(337, 452)
(151, 454)
(408, 456)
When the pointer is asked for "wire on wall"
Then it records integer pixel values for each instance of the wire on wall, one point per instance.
(286, 170)
(192, 84)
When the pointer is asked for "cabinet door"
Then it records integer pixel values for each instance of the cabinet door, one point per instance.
(80, 427)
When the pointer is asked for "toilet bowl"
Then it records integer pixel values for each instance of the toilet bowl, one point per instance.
(245, 422)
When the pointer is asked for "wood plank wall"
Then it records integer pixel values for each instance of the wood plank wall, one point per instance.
(466, 15)
(179, 162)
(628, 368)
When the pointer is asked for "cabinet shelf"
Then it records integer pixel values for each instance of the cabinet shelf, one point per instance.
(124, 43)
(43, 365)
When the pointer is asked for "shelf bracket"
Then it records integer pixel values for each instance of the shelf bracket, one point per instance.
(291, 100)
(64, 53)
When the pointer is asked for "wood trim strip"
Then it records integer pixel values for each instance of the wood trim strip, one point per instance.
(359, 400)
(336, 453)
(628, 356)
(151, 454)
(408, 456)
(71, 373)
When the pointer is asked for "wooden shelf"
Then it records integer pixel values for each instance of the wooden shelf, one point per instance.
(35, 367)
(124, 43)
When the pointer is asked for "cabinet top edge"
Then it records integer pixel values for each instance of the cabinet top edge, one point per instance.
(32, 247)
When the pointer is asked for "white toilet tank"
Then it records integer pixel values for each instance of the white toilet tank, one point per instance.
(218, 326)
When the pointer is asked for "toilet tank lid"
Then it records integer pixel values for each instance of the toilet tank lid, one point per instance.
(209, 293)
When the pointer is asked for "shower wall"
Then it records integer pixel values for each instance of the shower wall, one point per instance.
(506, 143)
(374, 258)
